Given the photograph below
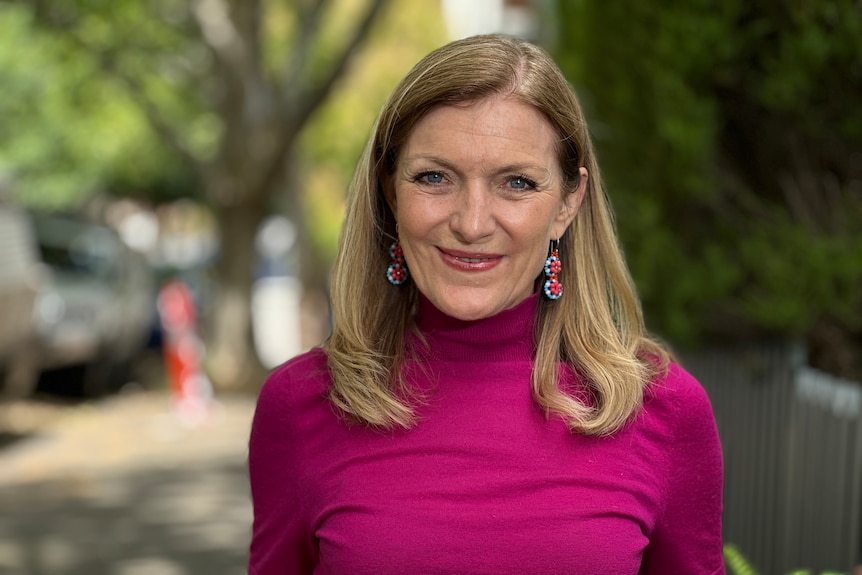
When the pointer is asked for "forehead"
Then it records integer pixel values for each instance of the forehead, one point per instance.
(496, 127)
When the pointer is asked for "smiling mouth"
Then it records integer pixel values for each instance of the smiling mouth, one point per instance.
(468, 256)
(470, 262)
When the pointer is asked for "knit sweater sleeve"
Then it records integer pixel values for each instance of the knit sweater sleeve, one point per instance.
(687, 536)
(281, 539)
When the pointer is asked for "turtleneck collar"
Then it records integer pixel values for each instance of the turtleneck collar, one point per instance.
(507, 336)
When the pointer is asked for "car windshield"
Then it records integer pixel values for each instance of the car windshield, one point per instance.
(75, 248)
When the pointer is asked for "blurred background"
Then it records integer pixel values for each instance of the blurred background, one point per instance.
(172, 181)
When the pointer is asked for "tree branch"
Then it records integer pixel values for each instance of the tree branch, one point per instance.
(310, 99)
(232, 31)
(220, 33)
(315, 97)
(308, 24)
(137, 92)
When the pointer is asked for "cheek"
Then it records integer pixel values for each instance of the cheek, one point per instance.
(532, 224)
(419, 219)
(414, 235)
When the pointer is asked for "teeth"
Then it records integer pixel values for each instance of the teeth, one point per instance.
(471, 260)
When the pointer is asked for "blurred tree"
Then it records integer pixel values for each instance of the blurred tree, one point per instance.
(67, 130)
(228, 86)
(335, 136)
(730, 134)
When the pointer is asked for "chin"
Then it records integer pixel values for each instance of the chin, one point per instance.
(471, 314)
(470, 303)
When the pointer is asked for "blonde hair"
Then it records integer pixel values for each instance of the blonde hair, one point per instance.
(596, 328)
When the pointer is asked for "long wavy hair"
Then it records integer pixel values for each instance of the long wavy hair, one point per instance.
(597, 327)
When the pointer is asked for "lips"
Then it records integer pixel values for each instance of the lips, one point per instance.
(469, 261)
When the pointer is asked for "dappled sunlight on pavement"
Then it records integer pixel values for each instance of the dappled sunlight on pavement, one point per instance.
(122, 487)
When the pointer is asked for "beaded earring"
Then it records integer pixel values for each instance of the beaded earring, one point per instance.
(553, 288)
(397, 272)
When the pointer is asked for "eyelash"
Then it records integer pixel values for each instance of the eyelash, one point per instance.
(529, 183)
(420, 178)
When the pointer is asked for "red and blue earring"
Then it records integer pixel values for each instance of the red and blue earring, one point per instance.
(397, 272)
(553, 288)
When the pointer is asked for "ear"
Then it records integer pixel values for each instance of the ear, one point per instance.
(569, 207)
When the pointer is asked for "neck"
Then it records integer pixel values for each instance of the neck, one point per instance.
(507, 336)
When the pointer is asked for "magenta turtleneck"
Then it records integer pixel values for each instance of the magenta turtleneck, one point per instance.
(485, 482)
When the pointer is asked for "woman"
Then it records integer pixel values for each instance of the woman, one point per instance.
(488, 401)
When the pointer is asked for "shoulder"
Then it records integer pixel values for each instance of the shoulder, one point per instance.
(305, 373)
(677, 403)
(294, 388)
(678, 389)
(311, 364)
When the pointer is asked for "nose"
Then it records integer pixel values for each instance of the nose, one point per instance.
(472, 216)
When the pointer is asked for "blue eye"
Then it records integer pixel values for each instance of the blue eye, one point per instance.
(431, 178)
(521, 183)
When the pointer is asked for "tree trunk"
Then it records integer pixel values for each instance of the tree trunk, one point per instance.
(315, 319)
(313, 273)
(232, 361)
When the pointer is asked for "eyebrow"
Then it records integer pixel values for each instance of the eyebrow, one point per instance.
(432, 159)
(504, 169)
(509, 168)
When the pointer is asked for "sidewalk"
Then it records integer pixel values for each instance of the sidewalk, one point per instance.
(121, 487)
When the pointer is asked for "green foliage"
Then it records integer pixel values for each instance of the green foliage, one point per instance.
(728, 133)
(739, 565)
(75, 109)
(69, 130)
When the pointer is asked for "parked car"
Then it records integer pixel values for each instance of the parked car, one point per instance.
(21, 273)
(96, 307)
(91, 306)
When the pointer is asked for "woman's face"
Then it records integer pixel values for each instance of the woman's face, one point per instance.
(478, 194)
